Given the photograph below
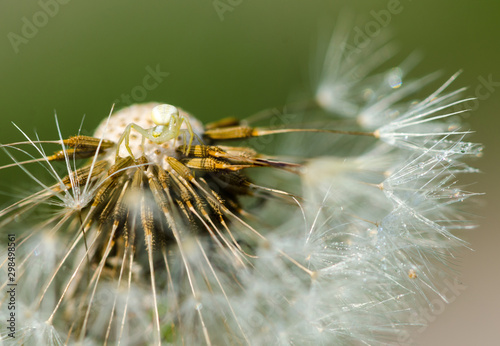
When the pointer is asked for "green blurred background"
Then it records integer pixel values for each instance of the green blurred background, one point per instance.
(84, 55)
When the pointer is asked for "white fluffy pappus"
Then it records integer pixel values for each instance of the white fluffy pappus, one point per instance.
(340, 233)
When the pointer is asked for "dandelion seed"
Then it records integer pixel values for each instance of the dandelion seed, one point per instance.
(171, 231)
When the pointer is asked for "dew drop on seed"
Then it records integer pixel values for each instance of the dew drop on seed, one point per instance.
(465, 148)
(199, 306)
(395, 78)
(380, 229)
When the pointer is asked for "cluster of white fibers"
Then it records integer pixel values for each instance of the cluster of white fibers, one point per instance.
(380, 216)
(353, 236)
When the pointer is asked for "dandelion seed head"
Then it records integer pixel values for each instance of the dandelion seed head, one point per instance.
(338, 233)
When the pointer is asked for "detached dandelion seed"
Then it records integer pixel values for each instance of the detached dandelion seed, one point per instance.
(165, 230)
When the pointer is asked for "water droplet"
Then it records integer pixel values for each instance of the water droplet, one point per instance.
(465, 147)
(395, 78)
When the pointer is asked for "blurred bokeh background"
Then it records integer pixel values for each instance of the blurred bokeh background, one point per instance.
(235, 57)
